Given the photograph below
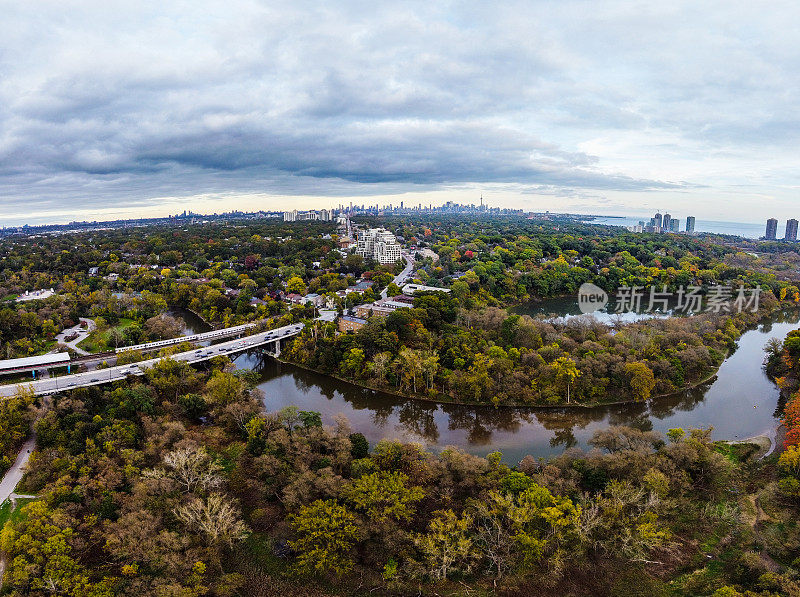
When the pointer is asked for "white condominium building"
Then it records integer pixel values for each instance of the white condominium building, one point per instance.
(324, 215)
(378, 244)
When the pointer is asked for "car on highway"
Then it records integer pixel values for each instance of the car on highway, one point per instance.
(95, 379)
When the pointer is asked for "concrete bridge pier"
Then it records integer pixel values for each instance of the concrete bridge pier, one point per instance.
(274, 348)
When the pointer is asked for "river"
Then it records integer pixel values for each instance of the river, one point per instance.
(740, 402)
(192, 324)
(566, 307)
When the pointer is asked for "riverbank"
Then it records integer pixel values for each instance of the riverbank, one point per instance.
(512, 405)
(740, 402)
(766, 444)
(751, 320)
(210, 325)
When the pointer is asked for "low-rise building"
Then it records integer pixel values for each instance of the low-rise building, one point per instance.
(412, 288)
(372, 309)
(315, 299)
(383, 307)
(346, 243)
(425, 252)
(348, 323)
(361, 286)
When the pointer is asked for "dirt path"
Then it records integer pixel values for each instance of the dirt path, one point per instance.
(755, 517)
(10, 481)
(14, 475)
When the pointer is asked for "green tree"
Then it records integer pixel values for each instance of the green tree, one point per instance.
(310, 418)
(359, 446)
(384, 495)
(393, 289)
(531, 528)
(42, 559)
(642, 380)
(447, 545)
(326, 534)
(296, 285)
(224, 388)
(410, 363)
(566, 372)
(353, 363)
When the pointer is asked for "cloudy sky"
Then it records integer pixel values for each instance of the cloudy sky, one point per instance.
(112, 109)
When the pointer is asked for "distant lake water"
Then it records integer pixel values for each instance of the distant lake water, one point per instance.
(745, 230)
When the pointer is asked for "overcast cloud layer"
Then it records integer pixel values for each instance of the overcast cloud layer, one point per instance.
(111, 108)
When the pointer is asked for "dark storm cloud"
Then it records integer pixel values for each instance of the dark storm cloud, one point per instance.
(125, 102)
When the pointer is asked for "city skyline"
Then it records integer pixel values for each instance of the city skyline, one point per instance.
(119, 111)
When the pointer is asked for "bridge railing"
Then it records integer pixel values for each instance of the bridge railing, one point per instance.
(121, 371)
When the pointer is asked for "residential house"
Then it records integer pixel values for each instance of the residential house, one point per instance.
(315, 299)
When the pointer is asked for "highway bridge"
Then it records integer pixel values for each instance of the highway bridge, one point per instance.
(62, 359)
(270, 339)
(236, 330)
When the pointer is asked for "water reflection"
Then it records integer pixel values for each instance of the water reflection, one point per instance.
(192, 324)
(739, 402)
(566, 308)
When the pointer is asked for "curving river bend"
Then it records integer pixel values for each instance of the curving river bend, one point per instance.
(740, 402)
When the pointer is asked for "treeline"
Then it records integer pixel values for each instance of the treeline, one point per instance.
(441, 350)
(214, 270)
(183, 485)
(513, 259)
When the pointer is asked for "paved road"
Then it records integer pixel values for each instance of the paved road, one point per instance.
(117, 372)
(83, 333)
(403, 276)
(14, 475)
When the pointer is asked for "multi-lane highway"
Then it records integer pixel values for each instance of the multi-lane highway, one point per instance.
(52, 385)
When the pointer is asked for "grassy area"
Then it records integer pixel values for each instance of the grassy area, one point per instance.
(6, 514)
(48, 346)
(737, 452)
(98, 341)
